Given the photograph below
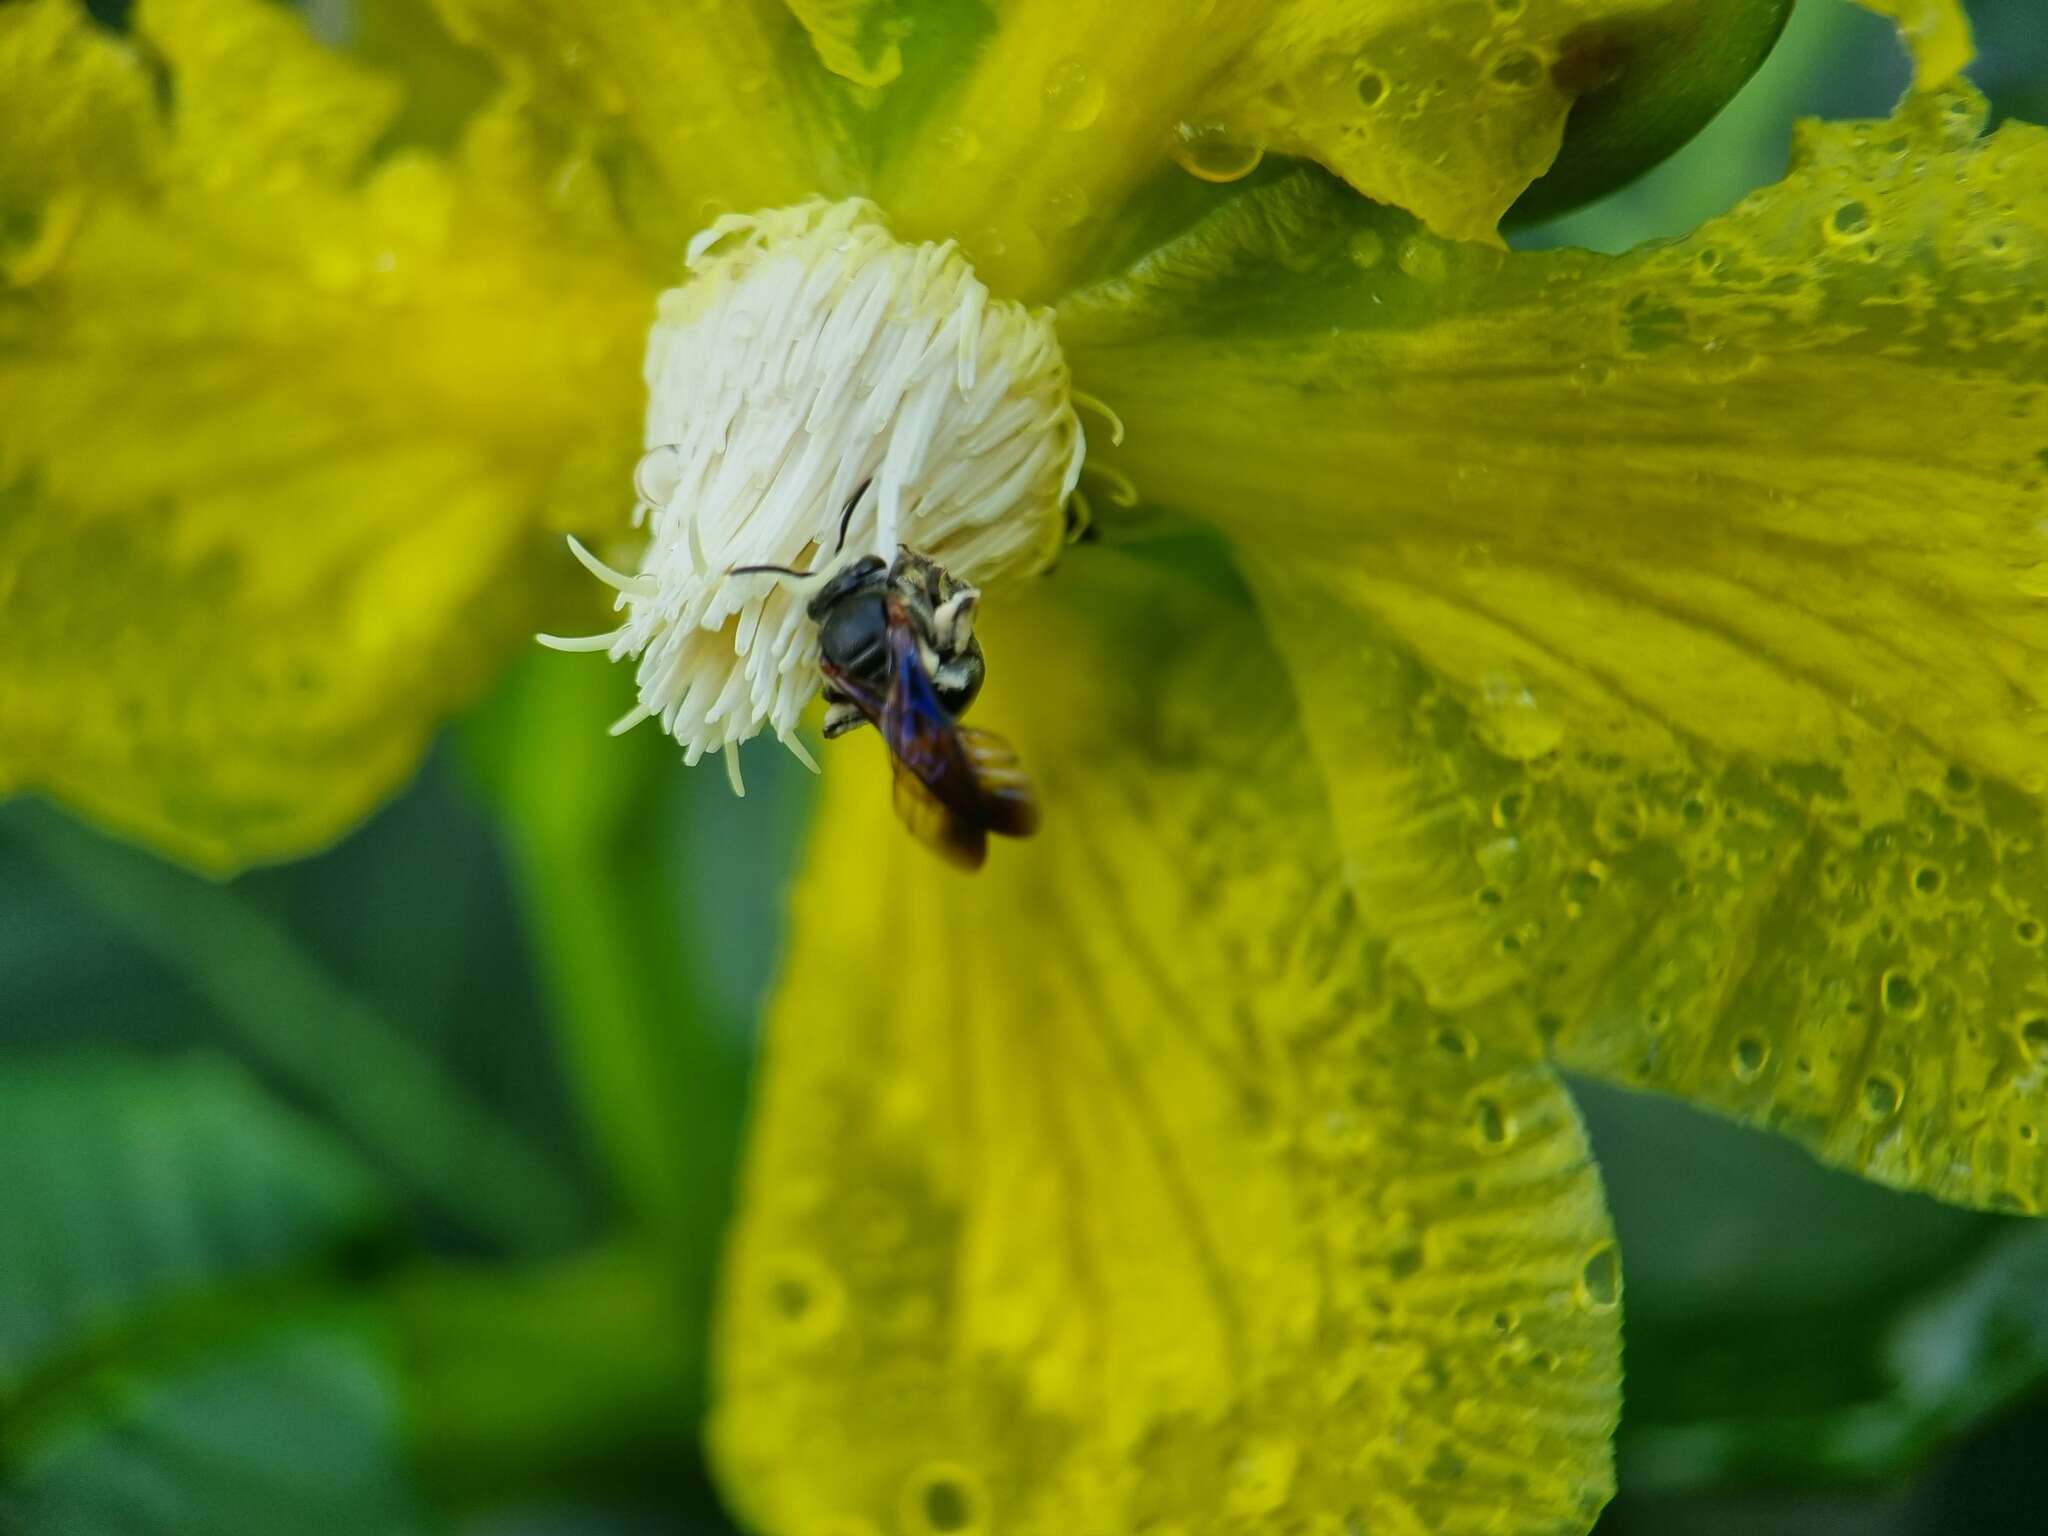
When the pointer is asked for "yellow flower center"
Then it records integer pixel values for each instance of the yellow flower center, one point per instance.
(819, 391)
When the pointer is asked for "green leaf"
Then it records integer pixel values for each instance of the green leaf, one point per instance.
(1929, 1373)
(419, 1122)
(123, 1187)
(297, 1433)
(169, 1360)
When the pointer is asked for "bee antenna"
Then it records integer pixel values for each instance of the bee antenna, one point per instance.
(845, 522)
(846, 517)
(757, 570)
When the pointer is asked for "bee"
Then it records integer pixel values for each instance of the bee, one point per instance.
(897, 650)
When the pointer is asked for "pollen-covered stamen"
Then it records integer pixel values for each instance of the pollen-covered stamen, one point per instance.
(813, 372)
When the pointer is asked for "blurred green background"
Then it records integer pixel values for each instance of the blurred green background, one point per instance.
(310, 1183)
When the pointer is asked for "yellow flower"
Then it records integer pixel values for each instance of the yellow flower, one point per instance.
(1637, 663)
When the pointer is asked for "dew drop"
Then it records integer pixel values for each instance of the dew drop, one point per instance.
(1073, 96)
(1261, 1477)
(1067, 206)
(944, 1499)
(1618, 820)
(1958, 780)
(960, 144)
(1372, 88)
(1748, 1059)
(1446, 1466)
(1507, 810)
(1504, 861)
(1582, 885)
(803, 1297)
(1518, 69)
(1927, 879)
(1506, 1321)
(2027, 931)
(1508, 719)
(1600, 1278)
(2034, 1034)
(1494, 1126)
(1882, 1094)
(1848, 224)
(1366, 249)
(1454, 1040)
(1900, 994)
(1206, 149)
(1423, 260)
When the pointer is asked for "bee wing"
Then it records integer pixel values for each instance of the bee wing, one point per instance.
(921, 735)
(954, 838)
(1009, 804)
(953, 787)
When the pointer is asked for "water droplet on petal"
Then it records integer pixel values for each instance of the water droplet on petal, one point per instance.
(1366, 249)
(944, 1499)
(1600, 1279)
(1207, 149)
(1882, 1094)
(1494, 1126)
(1750, 1056)
(1508, 719)
(1073, 96)
(961, 144)
(1848, 224)
(1455, 1040)
(1423, 259)
(1261, 1477)
(1516, 69)
(1066, 206)
(804, 1298)
(1372, 88)
(1901, 995)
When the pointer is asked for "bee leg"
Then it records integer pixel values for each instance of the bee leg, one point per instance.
(953, 621)
(842, 716)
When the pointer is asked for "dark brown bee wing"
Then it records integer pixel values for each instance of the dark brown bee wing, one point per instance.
(955, 838)
(1009, 805)
(952, 786)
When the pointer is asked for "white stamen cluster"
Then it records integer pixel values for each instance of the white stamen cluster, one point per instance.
(811, 360)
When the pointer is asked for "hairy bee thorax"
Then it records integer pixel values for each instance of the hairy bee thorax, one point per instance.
(813, 373)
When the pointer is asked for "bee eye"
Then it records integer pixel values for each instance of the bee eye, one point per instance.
(854, 635)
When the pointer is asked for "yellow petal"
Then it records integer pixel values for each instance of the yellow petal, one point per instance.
(1023, 134)
(689, 111)
(1123, 1186)
(276, 425)
(1673, 627)
(1937, 32)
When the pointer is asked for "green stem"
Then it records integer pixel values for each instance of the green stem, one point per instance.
(569, 1378)
(661, 1079)
(294, 1019)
